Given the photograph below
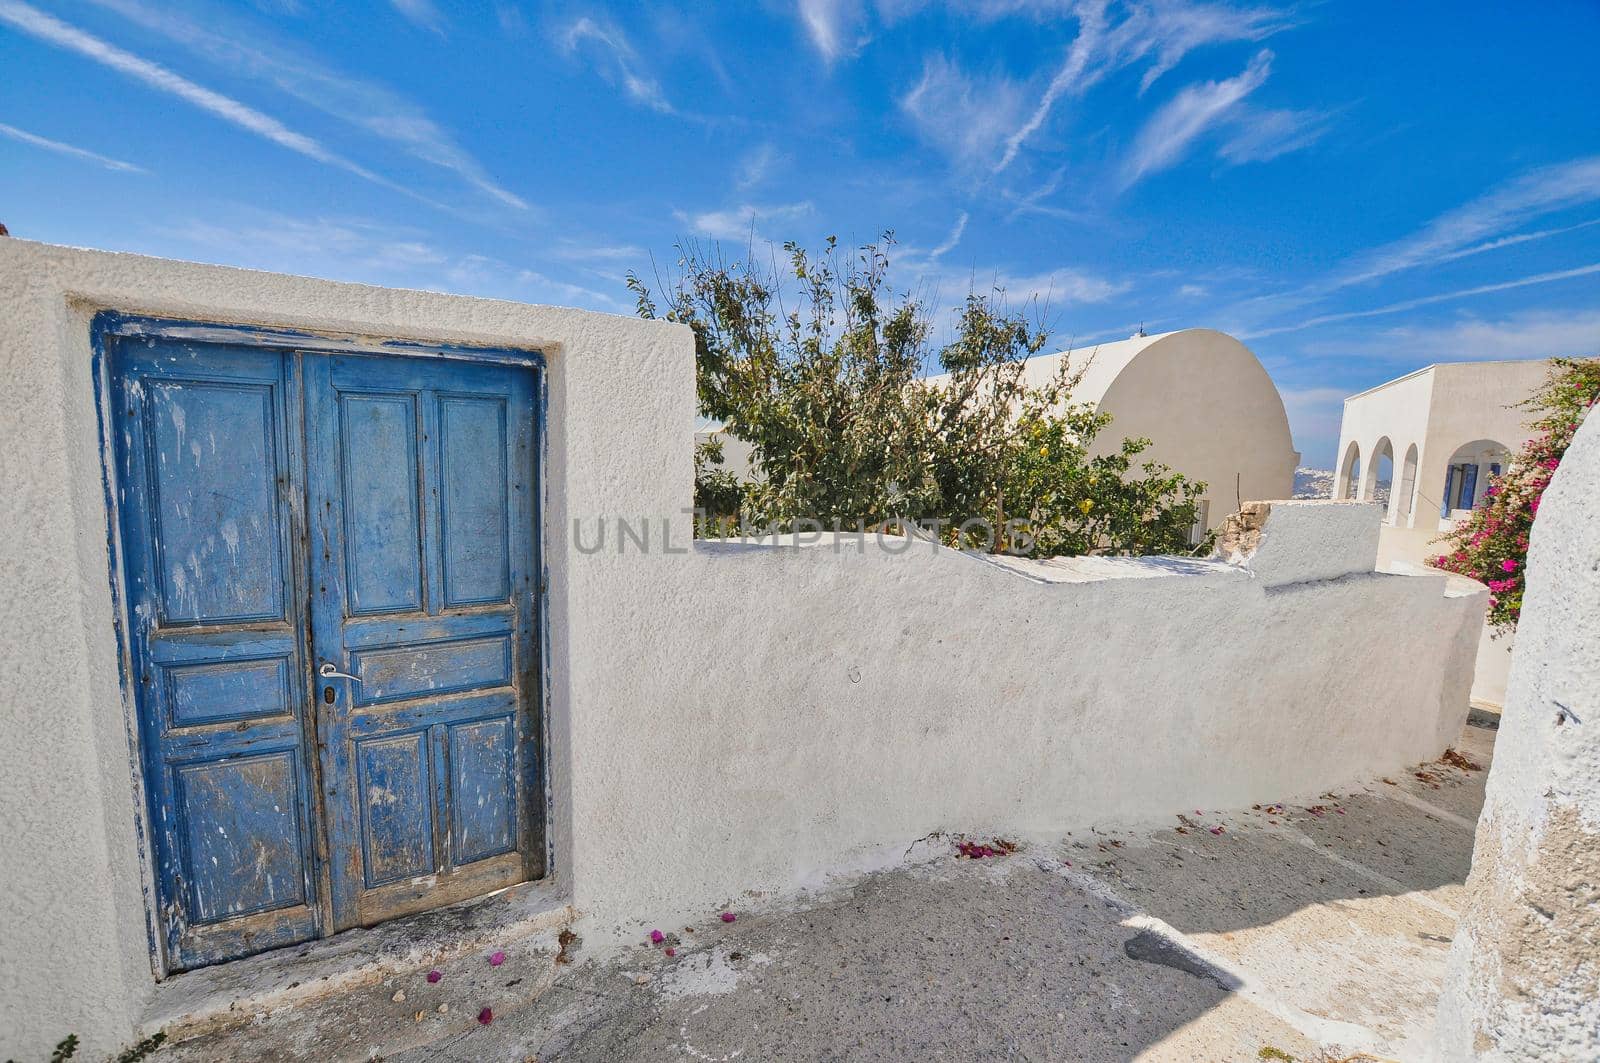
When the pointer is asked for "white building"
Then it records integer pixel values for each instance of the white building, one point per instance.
(1204, 401)
(1450, 427)
(1425, 444)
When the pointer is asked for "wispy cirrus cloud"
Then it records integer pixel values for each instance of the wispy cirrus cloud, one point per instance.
(233, 47)
(618, 62)
(1170, 132)
(967, 117)
(1159, 34)
(1541, 332)
(1077, 72)
(954, 238)
(833, 26)
(1054, 287)
(48, 28)
(346, 248)
(1428, 300)
(1479, 226)
(755, 165)
(1260, 135)
(422, 13)
(742, 222)
(911, 260)
(1513, 240)
(1482, 221)
(69, 150)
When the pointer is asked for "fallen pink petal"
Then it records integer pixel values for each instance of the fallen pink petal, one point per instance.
(657, 937)
(728, 917)
(670, 951)
(1216, 830)
(497, 959)
(486, 1016)
(434, 976)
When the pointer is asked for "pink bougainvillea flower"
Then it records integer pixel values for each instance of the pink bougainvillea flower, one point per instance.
(486, 1016)
(434, 976)
(728, 917)
(497, 959)
(1508, 565)
(657, 937)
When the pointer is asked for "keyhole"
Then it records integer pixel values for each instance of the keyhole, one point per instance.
(327, 695)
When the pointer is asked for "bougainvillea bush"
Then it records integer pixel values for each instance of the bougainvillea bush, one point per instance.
(1492, 545)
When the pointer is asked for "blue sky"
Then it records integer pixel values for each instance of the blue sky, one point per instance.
(1355, 189)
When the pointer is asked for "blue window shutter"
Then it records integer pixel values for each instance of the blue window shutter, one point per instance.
(1449, 484)
(1469, 486)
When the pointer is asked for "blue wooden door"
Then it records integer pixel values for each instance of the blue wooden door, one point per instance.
(421, 500)
(208, 485)
(285, 513)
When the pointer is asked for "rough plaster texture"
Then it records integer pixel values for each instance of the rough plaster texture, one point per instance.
(1525, 968)
(722, 718)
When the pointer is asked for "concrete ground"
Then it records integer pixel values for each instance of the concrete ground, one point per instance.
(1312, 932)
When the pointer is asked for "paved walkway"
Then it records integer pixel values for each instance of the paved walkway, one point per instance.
(1315, 932)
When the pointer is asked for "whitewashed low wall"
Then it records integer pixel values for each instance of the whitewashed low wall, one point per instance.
(721, 718)
(1400, 548)
(779, 713)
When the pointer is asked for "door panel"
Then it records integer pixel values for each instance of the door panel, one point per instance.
(473, 504)
(420, 490)
(214, 481)
(243, 839)
(382, 515)
(396, 806)
(481, 765)
(207, 463)
(281, 511)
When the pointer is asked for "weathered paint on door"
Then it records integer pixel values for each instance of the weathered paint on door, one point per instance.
(420, 494)
(287, 512)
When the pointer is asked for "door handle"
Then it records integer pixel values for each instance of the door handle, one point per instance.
(328, 671)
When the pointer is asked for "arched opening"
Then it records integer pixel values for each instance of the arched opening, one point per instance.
(1408, 482)
(1381, 464)
(1467, 476)
(1349, 473)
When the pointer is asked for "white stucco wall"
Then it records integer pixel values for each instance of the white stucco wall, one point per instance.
(722, 719)
(1524, 974)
